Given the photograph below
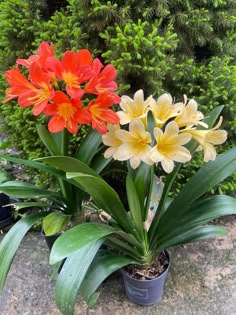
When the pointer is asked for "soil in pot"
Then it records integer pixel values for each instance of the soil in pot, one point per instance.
(146, 286)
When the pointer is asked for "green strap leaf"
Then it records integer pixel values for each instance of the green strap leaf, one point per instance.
(68, 164)
(134, 204)
(48, 140)
(89, 146)
(36, 165)
(101, 267)
(199, 214)
(105, 198)
(77, 237)
(11, 242)
(72, 275)
(55, 222)
(20, 189)
(208, 176)
(195, 234)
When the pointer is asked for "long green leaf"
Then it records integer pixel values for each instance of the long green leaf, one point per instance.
(195, 234)
(99, 162)
(134, 204)
(140, 180)
(89, 146)
(48, 140)
(207, 177)
(36, 165)
(72, 275)
(101, 267)
(199, 214)
(55, 222)
(77, 237)
(68, 164)
(11, 242)
(20, 189)
(105, 198)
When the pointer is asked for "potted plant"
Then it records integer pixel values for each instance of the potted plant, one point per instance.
(72, 91)
(158, 137)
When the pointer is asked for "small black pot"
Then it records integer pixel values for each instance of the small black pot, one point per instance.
(50, 240)
(145, 292)
(5, 211)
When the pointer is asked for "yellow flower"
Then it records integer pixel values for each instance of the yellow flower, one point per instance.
(164, 109)
(189, 115)
(207, 139)
(133, 109)
(110, 139)
(169, 147)
(134, 145)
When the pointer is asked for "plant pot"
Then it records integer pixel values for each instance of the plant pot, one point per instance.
(145, 292)
(50, 239)
(5, 211)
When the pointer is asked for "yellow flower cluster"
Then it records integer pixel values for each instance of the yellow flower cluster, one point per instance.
(175, 125)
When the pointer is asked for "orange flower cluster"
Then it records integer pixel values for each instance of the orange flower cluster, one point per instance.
(56, 88)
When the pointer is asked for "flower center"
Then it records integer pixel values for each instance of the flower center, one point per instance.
(66, 110)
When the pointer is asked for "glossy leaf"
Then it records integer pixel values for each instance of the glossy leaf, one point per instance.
(37, 165)
(105, 198)
(195, 234)
(48, 140)
(134, 204)
(102, 267)
(20, 189)
(72, 275)
(68, 164)
(55, 222)
(200, 213)
(76, 238)
(88, 147)
(11, 242)
(208, 176)
(24, 205)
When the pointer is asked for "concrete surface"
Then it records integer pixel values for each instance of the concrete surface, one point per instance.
(202, 281)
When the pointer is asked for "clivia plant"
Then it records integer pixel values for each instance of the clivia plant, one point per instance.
(155, 137)
(72, 91)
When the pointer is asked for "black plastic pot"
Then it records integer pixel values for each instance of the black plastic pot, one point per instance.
(5, 211)
(50, 239)
(145, 292)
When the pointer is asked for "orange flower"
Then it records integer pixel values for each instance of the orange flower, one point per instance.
(44, 51)
(37, 92)
(102, 81)
(101, 114)
(74, 69)
(66, 113)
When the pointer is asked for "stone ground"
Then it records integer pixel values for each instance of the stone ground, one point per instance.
(202, 281)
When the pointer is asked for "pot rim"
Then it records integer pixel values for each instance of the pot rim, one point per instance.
(125, 273)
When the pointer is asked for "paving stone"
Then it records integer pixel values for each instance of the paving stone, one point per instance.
(202, 281)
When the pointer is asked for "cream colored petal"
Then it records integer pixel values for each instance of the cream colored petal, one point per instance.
(125, 136)
(209, 152)
(138, 97)
(165, 99)
(167, 165)
(171, 129)
(180, 154)
(123, 152)
(135, 162)
(124, 117)
(109, 152)
(182, 139)
(155, 155)
(126, 103)
(158, 133)
(216, 136)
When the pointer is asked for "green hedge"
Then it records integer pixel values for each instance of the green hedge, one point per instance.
(182, 47)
